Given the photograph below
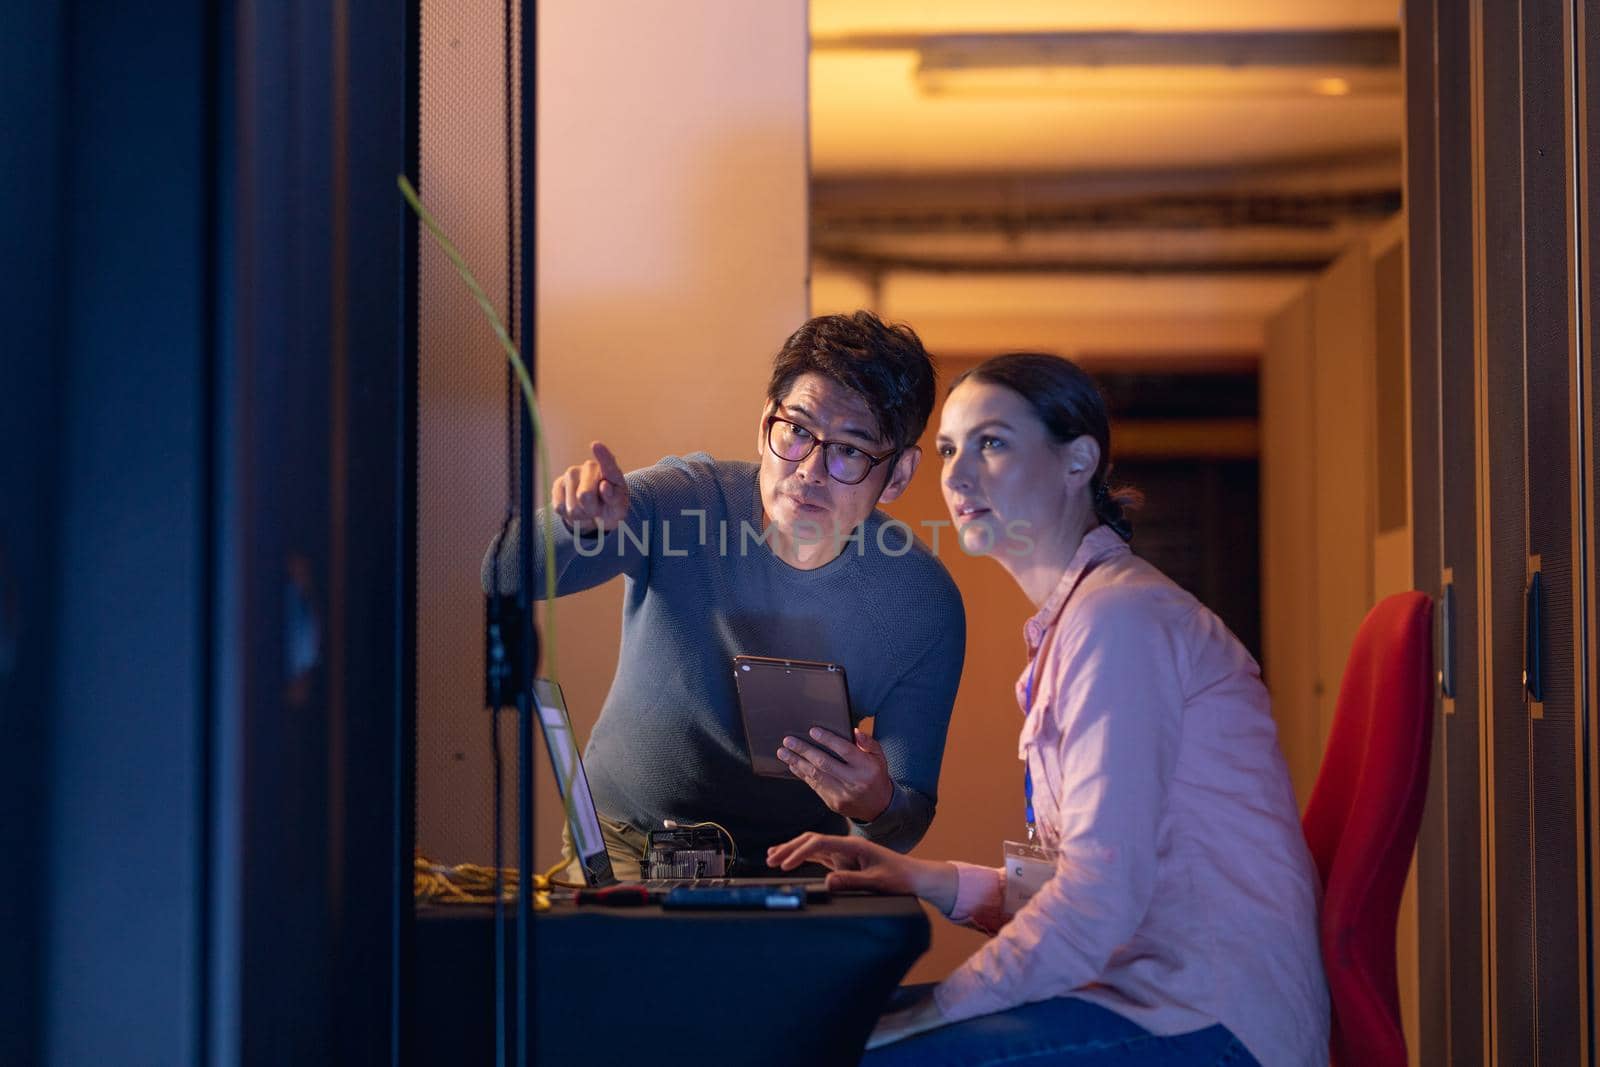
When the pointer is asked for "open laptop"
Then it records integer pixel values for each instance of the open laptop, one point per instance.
(587, 840)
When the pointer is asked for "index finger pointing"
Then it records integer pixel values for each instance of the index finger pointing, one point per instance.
(609, 469)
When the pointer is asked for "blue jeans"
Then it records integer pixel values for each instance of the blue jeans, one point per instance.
(1064, 1030)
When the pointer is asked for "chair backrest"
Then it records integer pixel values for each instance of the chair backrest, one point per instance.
(1361, 822)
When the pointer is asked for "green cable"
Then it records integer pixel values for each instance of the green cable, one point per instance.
(538, 437)
(410, 193)
(547, 528)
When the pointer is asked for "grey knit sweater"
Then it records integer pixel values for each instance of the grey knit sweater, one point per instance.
(670, 742)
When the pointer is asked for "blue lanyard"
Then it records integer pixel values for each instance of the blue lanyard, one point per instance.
(1027, 772)
(1027, 801)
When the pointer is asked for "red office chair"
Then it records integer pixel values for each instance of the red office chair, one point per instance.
(1362, 822)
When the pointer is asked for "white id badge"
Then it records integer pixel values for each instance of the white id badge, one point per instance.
(1028, 867)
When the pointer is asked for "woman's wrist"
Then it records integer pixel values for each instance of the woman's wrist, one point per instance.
(938, 883)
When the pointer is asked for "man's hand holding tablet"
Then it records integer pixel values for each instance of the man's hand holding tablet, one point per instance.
(797, 723)
(853, 780)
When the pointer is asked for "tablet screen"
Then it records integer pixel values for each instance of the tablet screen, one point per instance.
(786, 698)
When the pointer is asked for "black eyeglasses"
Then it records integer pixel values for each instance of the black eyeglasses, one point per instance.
(846, 463)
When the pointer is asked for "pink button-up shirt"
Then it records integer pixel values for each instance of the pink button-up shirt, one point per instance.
(1184, 894)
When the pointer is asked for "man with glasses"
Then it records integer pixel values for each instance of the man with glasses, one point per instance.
(786, 557)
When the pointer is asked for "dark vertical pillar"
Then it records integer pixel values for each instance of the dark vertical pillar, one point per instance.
(317, 397)
(207, 574)
(371, 527)
(31, 74)
(276, 450)
(124, 929)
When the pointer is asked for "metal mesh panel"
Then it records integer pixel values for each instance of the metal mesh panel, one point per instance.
(462, 475)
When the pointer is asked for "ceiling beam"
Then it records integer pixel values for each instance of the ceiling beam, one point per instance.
(902, 214)
(1374, 167)
(841, 259)
(1375, 47)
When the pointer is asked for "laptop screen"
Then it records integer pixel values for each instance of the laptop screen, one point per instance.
(562, 745)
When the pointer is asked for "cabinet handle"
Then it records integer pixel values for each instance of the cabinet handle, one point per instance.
(1447, 641)
(1533, 650)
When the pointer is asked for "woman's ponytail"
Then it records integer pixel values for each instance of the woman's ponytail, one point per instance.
(1109, 508)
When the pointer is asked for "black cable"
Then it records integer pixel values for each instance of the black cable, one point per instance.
(525, 470)
(499, 896)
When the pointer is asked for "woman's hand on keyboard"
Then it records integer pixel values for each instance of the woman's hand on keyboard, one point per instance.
(856, 863)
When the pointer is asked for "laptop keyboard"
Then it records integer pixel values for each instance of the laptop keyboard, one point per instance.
(698, 883)
(727, 883)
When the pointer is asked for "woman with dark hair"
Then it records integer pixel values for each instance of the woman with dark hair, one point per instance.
(1164, 909)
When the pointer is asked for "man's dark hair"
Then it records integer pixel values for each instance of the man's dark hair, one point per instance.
(885, 364)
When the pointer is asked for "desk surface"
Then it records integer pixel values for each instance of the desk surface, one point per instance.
(640, 985)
